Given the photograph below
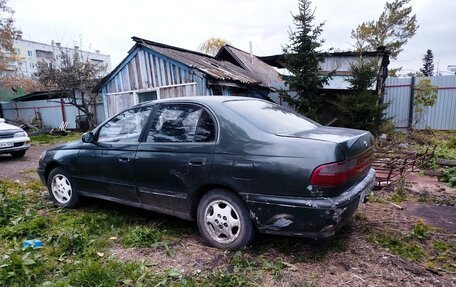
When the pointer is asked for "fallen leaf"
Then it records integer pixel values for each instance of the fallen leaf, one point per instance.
(290, 266)
(101, 254)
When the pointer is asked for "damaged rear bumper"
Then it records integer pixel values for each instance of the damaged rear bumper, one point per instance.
(309, 217)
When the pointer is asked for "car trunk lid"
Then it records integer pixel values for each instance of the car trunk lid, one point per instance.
(352, 142)
(357, 147)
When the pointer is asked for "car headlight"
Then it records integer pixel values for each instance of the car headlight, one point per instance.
(20, 134)
(43, 154)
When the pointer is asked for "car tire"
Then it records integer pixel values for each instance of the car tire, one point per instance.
(223, 220)
(18, 154)
(62, 188)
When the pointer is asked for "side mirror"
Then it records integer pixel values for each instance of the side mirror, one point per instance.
(87, 137)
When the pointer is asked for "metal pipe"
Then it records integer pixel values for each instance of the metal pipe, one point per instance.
(251, 52)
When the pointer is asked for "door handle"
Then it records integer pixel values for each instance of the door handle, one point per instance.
(197, 162)
(124, 159)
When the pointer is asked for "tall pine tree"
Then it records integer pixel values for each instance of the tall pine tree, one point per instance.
(302, 58)
(428, 64)
(395, 26)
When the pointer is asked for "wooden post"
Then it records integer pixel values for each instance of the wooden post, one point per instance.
(412, 93)
(62, 107)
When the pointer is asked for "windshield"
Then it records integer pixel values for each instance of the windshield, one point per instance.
(270, 117)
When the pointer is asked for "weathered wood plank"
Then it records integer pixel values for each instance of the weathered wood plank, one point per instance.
(138, 71)
(433, 172)
(449, 162)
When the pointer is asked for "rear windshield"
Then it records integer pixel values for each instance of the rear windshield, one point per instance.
(270, 117)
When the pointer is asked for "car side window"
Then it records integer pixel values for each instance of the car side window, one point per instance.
(125, 127)
(205, 132)
(180, 123)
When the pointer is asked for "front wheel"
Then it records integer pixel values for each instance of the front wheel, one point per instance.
(61, 188)
(223, 220)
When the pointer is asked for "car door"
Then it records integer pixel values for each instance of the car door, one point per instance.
(176, 155)
(105, 167)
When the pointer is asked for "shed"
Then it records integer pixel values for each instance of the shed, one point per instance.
(155, 71)
(45, 109)
(339, 63)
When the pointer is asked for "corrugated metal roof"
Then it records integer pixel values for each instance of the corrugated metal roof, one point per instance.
(279, 59)
(220, 70)
(259, 69)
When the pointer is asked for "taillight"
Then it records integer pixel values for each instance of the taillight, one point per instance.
(338, 173)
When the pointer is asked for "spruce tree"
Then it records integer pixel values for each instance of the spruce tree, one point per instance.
(359, 108)
(302, 58)
(428, 64)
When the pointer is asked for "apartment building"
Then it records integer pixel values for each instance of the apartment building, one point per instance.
(29, 53)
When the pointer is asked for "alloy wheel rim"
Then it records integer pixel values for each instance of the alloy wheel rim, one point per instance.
(222, 221)
(61, 188)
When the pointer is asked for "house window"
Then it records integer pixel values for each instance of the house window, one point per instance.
(147, 96)
(44, 54)
(30, 53)
(96, 61)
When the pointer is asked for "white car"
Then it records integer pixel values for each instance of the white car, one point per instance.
(13, 140)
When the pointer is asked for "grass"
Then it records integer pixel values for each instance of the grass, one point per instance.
(444, 141)
(434, 199)
(420, 140)
(409, 246)
(47, 138)
(419, 245)
(76, 246)
(398, 246)
(444, 255)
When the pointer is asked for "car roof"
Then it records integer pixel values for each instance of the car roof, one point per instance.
(200, 99)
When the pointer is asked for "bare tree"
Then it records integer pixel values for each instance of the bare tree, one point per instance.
(75, 78)
(8, 33)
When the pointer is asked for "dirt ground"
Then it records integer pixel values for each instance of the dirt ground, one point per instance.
(349, 259)
(23, 169)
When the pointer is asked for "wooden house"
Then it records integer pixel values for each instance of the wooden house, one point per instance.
(339, 63)
(156, 71)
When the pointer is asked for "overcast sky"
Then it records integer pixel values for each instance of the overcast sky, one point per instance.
(108, 25)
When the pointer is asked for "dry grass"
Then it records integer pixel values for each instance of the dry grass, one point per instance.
(349, 259)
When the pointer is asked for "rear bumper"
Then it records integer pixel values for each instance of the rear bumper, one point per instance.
(309, 217)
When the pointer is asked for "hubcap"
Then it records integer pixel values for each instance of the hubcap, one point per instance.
(222, 221)
(61, 188)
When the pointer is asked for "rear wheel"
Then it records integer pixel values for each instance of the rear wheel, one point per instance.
(223, 220)
(18, 154)
(62, 189)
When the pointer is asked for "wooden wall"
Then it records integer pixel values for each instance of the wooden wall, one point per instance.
(146, 69)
